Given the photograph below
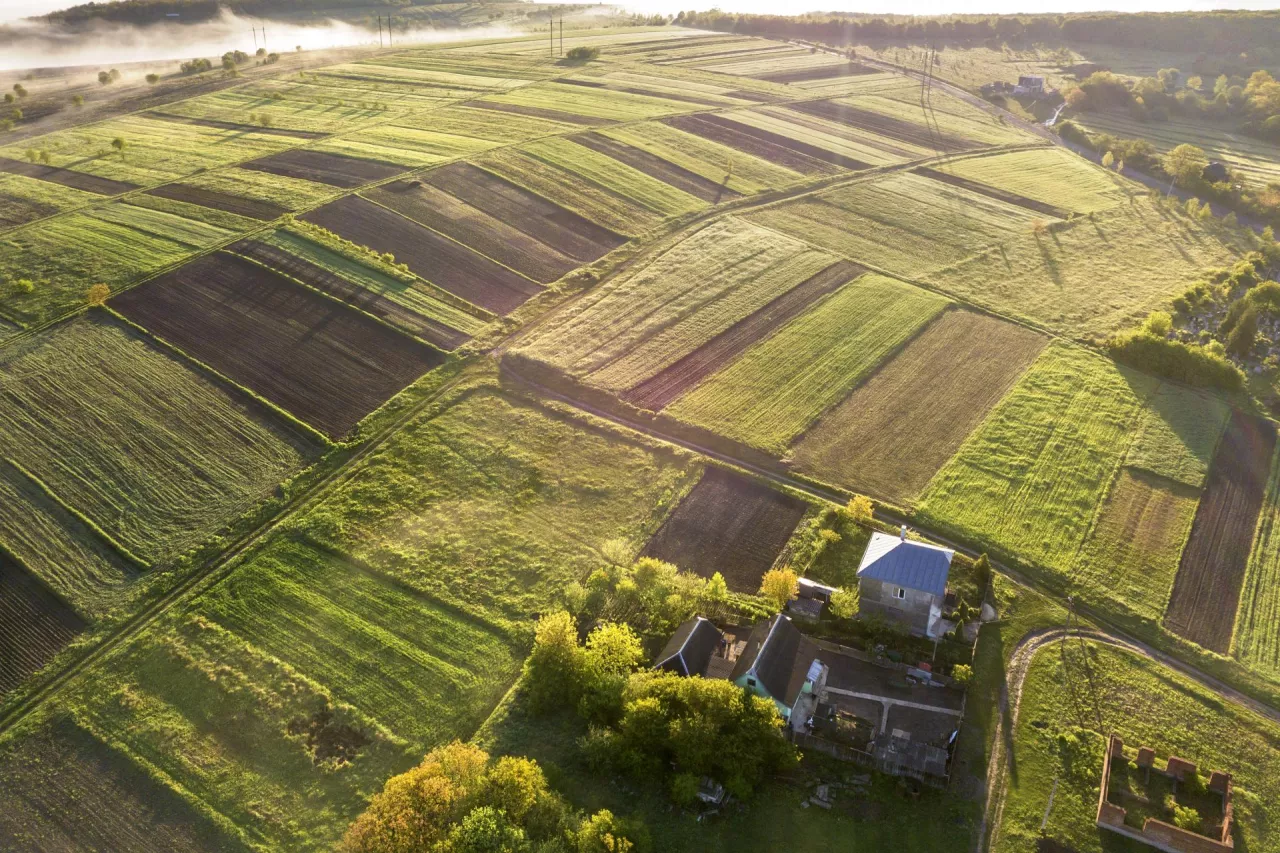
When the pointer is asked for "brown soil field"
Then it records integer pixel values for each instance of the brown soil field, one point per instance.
(636, 90)
(666, 387)
(655, 167)
(826, 72)
(882, 143)
(331, 169)
(252, 208)
(313, 275)
(727, 524)
(541, 112)
(233, 125)
(66, 177)
(34, 625)
(325, 364)
(543, 220)
(67, 791)
(760, 143)
(894, 128)
(892, 434)
(993, 192)
(1206, 591)
(488, 235)
(477, 279)
(16, 211)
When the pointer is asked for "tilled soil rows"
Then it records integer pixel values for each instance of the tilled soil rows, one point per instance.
(727, 524)
(1206, 591)
(825, 72)
(543, 220)
(655, 167)
(664, 388)
(441, 261)
(894, 128)
(66, 177)
(250, 207)
(768, 146)
(332, 169)
(320, 361)
(34, 624)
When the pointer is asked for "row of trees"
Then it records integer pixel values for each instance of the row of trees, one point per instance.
(1255, 100)
(460, 800)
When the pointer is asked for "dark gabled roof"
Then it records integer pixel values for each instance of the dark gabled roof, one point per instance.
(770, 656)
(913, 565)
(690, 648)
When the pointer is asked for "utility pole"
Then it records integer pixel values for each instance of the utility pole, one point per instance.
(551, 44)
(389, 31)
(255, 37)
(379, 31)
(264, 36)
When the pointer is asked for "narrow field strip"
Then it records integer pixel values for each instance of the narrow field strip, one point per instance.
(1256, 640)
(34, 624)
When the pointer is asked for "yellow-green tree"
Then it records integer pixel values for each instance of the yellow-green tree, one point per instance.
(779, 586)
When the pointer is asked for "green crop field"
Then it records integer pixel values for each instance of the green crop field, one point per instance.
(289, 193)
(150, 452)
(837, 138)
(715, 162)
(1075, 695)
(23, 198)
(1029, 479)
(1050, 175)
(781, 385)
(405, 146)
(637, 324)
(617, 106)
(1256, 642)
(1177, 434)
(902, 222)
(237, 107)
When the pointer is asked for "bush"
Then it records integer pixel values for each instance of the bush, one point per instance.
(1244, 333)
(1194, 365)
(962, 674)
(582, 54)
(779, 586)
(153, 79)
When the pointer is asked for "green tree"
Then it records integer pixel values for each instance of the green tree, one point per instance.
(604, 833)
(779, 586)
(1108, 160)
(554, 667)
(618, 552)
(1241, 340)
(19, 90)
(613, 648)
(120, 144)
(104, 78)
(77, 101)
(860, 509)
(1185, 164)
(582, 53)
(715, 595)
(97, 294)
(962, 674)
(153, 79)
(1158, 324)
(845, 602)
(487, 830)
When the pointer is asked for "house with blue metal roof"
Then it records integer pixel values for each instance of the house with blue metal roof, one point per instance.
(906, 581)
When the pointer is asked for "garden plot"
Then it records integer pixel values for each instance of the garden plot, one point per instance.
(770, 147)
(65, 177)
(1206, 592)
(903, 222)
(728, 524)
(152, 453)
(1131, 555)
(323, 363)
(1178, 433)
(441, 261)
(1027, 483)
(642, 322)
(66, 790)
(473, 228)
(253, 208)
(784, 383)
(418, 308)
(34, 625)
(1052, 176)
(1089, 277)
(24, 199)
(548, 223)
(896, 430)
(332, 169)
(1256, 642)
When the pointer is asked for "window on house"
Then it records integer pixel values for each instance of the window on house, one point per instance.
(751, 682)
(902, 593)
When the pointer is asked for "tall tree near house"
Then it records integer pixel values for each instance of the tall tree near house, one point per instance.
(779, 586)
(1185, 164)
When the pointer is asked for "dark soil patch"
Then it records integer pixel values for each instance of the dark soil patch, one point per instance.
(234, 125)
(252, 208)
(664, 388)
(329, 742)
(17, 211)
(1206, 591)
(34, 624)
(826, 72)
(655, 167)
(812, 151)
(541, 112)
(760, 144)
(563, 230)
(716, 54)
(331, 169)
(66, 177)
(994, 192)
(387, 310)
(488, 235)
(728, 524)
(882, 143)
(327, 365)
(894, 128)
(748, 95)
(433, 256)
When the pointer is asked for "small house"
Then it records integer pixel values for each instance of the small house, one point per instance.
(781, 664)
(1030, 84)
(905, 581)
(691, 647)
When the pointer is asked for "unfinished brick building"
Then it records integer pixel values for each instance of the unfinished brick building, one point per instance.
(1158, 833)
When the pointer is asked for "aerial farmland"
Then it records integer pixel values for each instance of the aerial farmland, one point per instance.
(330, 389)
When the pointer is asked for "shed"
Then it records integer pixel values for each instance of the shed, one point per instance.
(690, 648)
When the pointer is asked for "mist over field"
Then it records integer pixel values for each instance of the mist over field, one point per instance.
(33, 44)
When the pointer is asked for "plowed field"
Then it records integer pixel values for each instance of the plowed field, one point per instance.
(331, 169)
(253, 208)
(34, 625)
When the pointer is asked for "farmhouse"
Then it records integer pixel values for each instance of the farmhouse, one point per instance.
(781, 664)
(905, 581)
(1029, 84)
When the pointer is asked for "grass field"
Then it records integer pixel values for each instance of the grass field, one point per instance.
(23, 199)
(1052, 175)
(153, 454)
(639, 323)
(405, 146)
(1256, 641)
(1177, 434)
(289, 193)
(777, 388)
(1029, 479)
(1090, 277)
(236, 106)
(942, 383)
(903, 223)
(1076, 693)
(615, 106)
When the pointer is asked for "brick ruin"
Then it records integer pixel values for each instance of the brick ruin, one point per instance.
(1157, 833)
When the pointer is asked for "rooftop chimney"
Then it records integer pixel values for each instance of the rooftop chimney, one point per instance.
(902, 534)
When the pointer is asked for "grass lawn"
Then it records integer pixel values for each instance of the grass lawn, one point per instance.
(1075, 694)
(1028, 481)
(1051, 175)
(785, 382)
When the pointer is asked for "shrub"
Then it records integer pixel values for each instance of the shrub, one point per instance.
(1244, 333)
(779, 586)
(1194, 365)
(860, 509)
(153, 79)
(582, 54)
(97, 295)
(962, 674)
(845, 602)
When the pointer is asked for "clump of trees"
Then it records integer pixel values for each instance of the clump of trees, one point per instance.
(152, 79)
(460, 800)
(195, 66)
(655, 726)
(105, 78)
(582, 53)
(1149, 348)
(652, 595)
